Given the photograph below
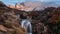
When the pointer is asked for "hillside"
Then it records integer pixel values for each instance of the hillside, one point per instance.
(9, 22)
(45, 21)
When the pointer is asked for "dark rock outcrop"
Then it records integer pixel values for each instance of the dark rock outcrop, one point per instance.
(2, 4)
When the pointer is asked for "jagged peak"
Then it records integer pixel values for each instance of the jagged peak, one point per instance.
(2, 4)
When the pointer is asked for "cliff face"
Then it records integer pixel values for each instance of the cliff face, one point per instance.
(9, 21)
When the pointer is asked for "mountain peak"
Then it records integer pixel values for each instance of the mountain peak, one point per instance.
(2, 4)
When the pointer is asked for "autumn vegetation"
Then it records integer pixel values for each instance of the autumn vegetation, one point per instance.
(45, 21)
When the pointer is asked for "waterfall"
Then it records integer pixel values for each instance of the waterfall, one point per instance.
(26, 24)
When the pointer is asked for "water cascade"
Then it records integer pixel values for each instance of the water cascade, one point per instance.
(26, 24)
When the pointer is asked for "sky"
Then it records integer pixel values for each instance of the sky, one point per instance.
(13, 2)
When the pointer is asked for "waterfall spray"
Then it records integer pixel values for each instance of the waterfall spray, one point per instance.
(26, 24)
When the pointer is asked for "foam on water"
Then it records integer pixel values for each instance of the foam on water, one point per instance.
(26, 24)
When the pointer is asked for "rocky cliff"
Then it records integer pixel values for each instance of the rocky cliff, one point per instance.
(9, 21)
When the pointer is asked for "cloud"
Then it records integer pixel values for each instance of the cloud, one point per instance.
(46, 0)
(19, 1)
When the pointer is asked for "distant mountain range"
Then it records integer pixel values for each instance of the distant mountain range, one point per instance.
(41, 5)
(37, 5)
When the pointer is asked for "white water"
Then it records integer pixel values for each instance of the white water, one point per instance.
(26, 24)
